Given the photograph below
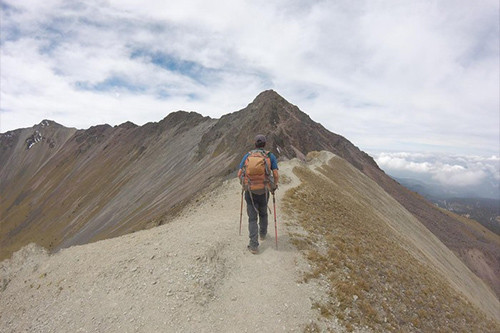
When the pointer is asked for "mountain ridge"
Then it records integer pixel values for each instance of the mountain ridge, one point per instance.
(78, 186)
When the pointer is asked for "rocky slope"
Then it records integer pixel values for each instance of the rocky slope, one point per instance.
(195, 274)
(98, 183)
(385, 269)
(192, 275)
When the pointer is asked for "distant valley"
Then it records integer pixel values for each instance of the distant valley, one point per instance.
(484, 210)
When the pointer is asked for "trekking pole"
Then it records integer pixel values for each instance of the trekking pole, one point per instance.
(275, 226)
(241, 209)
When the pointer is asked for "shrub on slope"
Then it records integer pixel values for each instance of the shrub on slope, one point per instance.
(373, 280)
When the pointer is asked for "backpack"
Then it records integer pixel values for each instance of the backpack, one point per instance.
(256, 172)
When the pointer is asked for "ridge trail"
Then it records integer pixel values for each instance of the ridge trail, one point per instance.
(193, 274)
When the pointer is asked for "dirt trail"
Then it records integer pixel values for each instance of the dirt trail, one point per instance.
(191, 275)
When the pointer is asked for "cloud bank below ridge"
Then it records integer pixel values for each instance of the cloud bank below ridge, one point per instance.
(460, 173)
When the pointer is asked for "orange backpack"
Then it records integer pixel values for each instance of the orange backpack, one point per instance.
(256, 172)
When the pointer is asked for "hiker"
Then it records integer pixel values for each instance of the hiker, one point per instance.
(259, 175)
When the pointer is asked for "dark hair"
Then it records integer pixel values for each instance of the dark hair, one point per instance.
(260, 144)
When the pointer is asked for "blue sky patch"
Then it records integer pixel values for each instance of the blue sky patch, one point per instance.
(7, 9)
(113, 83)
(187, 68)
(9, 31)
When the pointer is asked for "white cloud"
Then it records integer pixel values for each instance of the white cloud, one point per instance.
(457, 175)
(448, 170)
(400, 163)
(385, 74)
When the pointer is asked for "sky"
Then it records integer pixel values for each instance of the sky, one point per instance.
(390, 76)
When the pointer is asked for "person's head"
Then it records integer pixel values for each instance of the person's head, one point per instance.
(260, 141)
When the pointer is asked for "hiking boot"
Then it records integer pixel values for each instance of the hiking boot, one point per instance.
(262, 236)
(253, 250)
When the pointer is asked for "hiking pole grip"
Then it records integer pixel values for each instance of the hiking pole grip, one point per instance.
(275, 224)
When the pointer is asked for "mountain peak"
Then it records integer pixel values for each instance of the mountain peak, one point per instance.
(289, 131)
(127, 125)
(268, 95)
(48, 123)
(183, 120)
(269, 99)
(181, 116)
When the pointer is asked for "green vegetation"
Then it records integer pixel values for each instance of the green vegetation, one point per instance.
(373, 281)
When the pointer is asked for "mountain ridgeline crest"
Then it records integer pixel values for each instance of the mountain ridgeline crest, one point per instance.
(78, 186)
(62, 186)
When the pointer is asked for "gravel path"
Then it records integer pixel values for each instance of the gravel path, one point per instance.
(191, 275)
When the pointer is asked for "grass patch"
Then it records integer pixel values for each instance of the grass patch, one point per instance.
(373, 281)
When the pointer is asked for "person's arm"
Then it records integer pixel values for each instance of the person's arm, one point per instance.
(276, 177)
(274, 161)
(274, 168)
(242, 164)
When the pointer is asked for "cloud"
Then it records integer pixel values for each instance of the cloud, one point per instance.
(457, 175)
(407, 76)
(400, 163)
(448, 170)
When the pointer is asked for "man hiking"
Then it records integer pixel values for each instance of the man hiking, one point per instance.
(258, 175)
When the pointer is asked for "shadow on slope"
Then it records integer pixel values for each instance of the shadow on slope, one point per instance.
(385, 270)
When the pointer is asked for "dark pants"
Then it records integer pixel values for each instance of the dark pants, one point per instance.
(256, 207)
